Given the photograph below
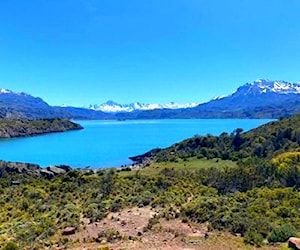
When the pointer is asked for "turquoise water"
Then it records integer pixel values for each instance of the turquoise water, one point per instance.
(110, 143)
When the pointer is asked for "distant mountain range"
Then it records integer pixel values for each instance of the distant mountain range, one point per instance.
(114, 107)
(22, 105)
(259, 99)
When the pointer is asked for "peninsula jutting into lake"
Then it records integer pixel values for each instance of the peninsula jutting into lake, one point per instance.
(24, 127)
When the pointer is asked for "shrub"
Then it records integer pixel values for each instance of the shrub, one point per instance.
(152, 221)
(111, 235)
(143, 200)
(253, 238)
(282, 233)
(11, 246)
(64, 241)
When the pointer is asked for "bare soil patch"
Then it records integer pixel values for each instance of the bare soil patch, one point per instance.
(164, 235)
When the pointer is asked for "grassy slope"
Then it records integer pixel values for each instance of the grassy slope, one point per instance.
(191, 164)
(34, 213)
(254, 196)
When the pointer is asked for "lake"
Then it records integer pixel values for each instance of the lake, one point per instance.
(110, 143)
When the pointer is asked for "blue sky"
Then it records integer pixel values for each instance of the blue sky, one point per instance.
(89, 51)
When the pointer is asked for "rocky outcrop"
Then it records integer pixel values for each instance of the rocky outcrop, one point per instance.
(294, 243)
(33, 170)
(69, 231)
(24, 127)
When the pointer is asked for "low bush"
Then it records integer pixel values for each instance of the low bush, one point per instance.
(282, 233)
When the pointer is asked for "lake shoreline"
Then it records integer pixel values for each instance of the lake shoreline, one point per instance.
(109, 144)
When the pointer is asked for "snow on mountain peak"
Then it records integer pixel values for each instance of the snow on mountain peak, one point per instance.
(10, 92)
(281, 87)
(261, 86)
(113, 107)
(6, 91)
(218, 97)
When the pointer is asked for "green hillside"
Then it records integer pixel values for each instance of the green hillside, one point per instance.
(263, 142)
(243, 183)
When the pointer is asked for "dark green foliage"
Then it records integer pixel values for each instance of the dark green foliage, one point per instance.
(253, 238)
(107, 182)
(263, 142)
(249, 214)
(11, 246)
(282, 233)
(143, 200)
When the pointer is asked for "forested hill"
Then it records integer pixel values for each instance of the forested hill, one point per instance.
(263, 142)
(24, 127)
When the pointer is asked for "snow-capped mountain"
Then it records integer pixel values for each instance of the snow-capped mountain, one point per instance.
(263, 86)
(261, 98)
(113, 107)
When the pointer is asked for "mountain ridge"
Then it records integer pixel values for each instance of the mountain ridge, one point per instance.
(262, 98)
(114, 107)
(259, 93)
(20, 105)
